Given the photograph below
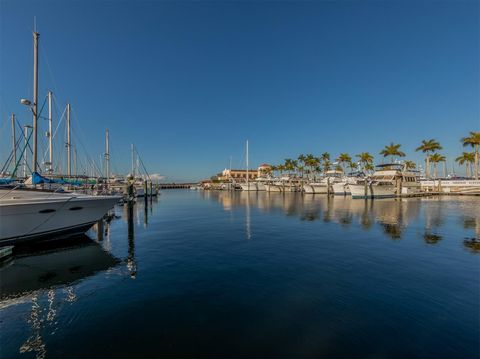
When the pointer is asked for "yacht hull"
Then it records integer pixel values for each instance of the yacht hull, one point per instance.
(249, 186)
(359, 190)
(47, 218)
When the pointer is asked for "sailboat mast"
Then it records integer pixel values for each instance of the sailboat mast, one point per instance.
(248, 186)
(25, 151)
(69, 157)
(50, 134)
(133, 161)
(75, 161)
(14, 141)
(36, 35)
(107, 155)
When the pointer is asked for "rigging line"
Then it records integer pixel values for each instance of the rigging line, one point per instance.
(21, 155)
(7, 162)
(141, 161)
(59, 123)
(45, 56)
(39, 113)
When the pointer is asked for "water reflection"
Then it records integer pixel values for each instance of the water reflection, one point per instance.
(37, 271)
(392, 215)
(131, 264)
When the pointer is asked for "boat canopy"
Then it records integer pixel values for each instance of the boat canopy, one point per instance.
(38, 179)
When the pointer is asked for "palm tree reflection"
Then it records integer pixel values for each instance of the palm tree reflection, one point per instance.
(392, 215)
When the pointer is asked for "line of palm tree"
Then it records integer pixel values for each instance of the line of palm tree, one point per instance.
(466, 158)
(435, 159)
(343, 159)
(473, 140)
(428, 146)
(392, 150)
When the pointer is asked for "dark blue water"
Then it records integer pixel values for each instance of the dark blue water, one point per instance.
(238, 275)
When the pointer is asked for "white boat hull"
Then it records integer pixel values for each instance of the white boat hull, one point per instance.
(273, 188)
(455, 186)
(36, 217)
(339, 188)
(249, 186)
(359, 191)
(382, 191)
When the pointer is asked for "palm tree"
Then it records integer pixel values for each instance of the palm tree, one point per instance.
(466, 158)
(327, 165)
(312, 162)
(325, 159)
(410, 165)
(392, 150)
(474, 141)
(353, 166)
(301, 164)
(365, 158)
(290, 165)
(435, 159)
(428, 146)
(368, 167)
(343, 159)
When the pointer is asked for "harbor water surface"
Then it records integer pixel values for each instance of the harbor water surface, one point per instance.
(198, 274)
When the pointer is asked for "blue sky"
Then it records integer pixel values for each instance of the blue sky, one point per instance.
(189, 82)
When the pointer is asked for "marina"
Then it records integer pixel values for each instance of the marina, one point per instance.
(239, 180)
(282, 274)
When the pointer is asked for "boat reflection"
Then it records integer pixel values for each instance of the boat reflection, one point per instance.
(49, 264)
(43, 275)
(393, 215)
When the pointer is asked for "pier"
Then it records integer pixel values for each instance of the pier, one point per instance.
(175, 185)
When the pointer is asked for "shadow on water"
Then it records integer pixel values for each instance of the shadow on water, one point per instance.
(54, 263)
(43, 275)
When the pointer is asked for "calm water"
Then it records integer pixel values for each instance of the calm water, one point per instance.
(238, 275)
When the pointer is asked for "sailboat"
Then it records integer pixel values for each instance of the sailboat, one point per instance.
(34, 214)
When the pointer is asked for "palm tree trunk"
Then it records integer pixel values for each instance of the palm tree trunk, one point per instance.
(476, 162)
(435, 170)
(427, 169)
(444, 169)
(467, 172)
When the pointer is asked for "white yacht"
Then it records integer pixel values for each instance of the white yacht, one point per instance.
(326, 184)
(34, 214)
(342, 187)
(389, 180)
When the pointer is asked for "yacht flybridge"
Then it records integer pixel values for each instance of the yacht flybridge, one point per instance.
(32, 214)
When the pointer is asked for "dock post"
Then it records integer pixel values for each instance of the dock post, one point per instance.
(100, 230)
